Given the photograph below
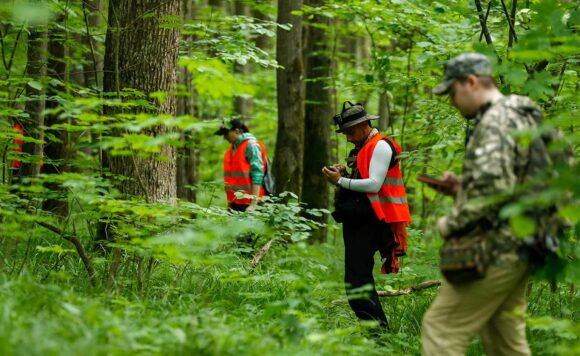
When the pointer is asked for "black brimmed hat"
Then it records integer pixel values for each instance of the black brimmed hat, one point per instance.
(234, 124)
(353, 115)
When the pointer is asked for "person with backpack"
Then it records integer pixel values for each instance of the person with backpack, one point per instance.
(245, 165)
(486, 277)
(371, 203)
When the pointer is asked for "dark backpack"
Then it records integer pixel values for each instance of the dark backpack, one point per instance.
(269, 183)
(550, 227)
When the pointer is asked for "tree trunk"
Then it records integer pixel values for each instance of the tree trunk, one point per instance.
(187, 156)
(35, 70)
(290, 98)
(317, 116)
(263, 42)
(56, 151)
(141, 55)
(384, 111)
(217, 4)
(94, 60)
(242, 104)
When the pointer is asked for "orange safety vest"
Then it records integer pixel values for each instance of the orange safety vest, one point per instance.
(18, 141)
(390, 203)
(237, 170)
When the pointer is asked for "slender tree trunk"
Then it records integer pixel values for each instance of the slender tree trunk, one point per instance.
(317, 115)
(482, 22)
(242, 104)
(94, 60)
(217, 4)
(512, 21)
(187, 156)
(36, 71)
(384, 111)
(263, 42)
(290, 98)
(56, 151)
(142, 55)
(348, 47)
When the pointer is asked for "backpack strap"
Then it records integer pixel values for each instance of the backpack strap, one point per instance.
(394, 159)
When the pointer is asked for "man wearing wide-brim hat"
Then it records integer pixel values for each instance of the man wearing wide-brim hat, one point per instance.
(371, 203)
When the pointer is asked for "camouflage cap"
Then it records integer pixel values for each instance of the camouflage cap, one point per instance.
(460, 67)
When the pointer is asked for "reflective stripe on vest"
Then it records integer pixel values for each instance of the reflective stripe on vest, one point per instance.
(390, 203)
(237, 173)
(387, 199)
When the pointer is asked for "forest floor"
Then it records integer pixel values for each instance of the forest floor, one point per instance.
(221, 307)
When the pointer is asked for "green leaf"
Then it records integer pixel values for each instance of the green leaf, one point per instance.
(35, 85)
(523, 226)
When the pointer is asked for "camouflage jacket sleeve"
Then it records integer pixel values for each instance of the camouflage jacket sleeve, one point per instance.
(488, 173)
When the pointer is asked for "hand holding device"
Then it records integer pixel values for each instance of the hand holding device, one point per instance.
(449, 185)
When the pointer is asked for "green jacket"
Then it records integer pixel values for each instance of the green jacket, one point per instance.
(253, 155)
(493, 165)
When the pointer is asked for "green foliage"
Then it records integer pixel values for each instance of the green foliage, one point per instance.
(185, 284)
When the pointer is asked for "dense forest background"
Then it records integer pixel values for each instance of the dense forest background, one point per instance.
(114, 232)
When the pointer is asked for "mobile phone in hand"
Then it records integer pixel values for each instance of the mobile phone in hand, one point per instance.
(434, 182)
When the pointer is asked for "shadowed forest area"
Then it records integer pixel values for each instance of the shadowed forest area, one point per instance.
(115, 232)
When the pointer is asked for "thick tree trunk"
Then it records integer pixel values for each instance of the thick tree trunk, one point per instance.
(188, 155)
(290, 137)
(35, 70)
(317, 115)
(56, 152)
(142, 55)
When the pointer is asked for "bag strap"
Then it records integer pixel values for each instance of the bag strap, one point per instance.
(394, 159)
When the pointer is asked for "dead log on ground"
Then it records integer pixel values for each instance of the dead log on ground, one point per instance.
(78, 246)
(261, 254)
(398, 292)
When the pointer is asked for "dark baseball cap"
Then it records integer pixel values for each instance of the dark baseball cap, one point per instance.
(234, 124)
(460, 67)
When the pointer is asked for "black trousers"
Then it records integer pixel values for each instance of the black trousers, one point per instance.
(362, 239)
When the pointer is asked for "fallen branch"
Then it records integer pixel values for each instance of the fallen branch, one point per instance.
(78, 246)
(261, 254)
(396, 293)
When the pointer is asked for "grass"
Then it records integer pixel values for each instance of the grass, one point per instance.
(211, 306)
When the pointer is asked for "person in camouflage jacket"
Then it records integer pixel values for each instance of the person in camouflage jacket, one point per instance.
(493, 166)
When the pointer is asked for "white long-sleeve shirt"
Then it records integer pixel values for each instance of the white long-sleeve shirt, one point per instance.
(378, 168)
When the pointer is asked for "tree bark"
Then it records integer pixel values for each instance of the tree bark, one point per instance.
(290, 98)
(482, 22)
(242, 104)
(35, 70)
(217, 4)
(188, 155)
(141, 55)
(317, 115)
(94, 60)
(55, 151)
(263, 42)
(384, 111)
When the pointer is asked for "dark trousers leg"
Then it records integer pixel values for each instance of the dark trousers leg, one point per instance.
(361, 241)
